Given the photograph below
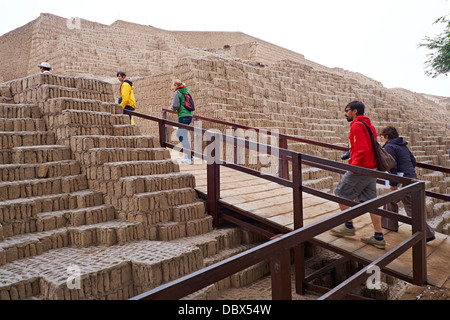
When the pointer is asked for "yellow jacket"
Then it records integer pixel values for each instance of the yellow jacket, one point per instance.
(127, 94)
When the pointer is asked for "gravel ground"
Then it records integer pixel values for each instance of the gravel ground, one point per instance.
(400, 290)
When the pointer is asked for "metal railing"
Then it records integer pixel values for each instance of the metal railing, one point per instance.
(279, 249)
(283, 142)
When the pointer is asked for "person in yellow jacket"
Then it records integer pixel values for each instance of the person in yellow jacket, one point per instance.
(126, 99)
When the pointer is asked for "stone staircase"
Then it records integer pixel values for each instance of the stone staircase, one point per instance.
(81, 189)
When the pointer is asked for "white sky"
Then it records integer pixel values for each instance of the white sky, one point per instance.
(376, 38)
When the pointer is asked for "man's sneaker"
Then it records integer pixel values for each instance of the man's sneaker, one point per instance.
(343, 231)
(380, 244)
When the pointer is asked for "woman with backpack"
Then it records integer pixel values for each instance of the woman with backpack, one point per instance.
(185, 114)
(405, 166)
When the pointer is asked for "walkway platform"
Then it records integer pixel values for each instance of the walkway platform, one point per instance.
(274, 202)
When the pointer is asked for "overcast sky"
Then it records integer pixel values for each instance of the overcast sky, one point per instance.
(376, 38)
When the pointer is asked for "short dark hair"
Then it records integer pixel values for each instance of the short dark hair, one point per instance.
(390, 132)
(121, 73)
(358, 105)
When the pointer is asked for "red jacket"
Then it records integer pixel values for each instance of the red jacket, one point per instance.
(361, 150)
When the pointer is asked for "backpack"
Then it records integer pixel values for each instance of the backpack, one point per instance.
(385, 161)
(188, 102)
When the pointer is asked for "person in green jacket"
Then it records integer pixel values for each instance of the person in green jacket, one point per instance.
(184, 117)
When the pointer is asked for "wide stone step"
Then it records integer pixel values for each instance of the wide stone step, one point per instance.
(22, 124)
(12, 111)
(129, 186)
(311, 173)
(212, 243)
(98, 156)
(31, 244)
(84, 143)
(40, 187)
(58, 105)
(89, 118)
(118, 272)
(44, 92)
(175, 230)
(181, 213)
(40, 154)
(9, 139)
(29, 208)
(161, 200)
(111, 232)
(47, 221)
(106, 233)
(74, 217)
(39, 80)
(65, 132)
(116, 170)
(17, 172)
(320, 184)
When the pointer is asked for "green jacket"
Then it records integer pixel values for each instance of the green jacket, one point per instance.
(179, 101)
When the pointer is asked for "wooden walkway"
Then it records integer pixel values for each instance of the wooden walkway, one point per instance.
(274, 202)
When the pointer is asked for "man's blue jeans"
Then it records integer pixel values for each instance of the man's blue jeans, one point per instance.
(182, 135)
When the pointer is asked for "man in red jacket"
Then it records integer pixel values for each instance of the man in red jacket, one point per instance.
(355, 186)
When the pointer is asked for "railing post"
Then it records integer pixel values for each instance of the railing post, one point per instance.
(297, 190)
(162, 133)
(299, 254)
(280, 271)
(213, 183)
(418, 225)
(283, 164)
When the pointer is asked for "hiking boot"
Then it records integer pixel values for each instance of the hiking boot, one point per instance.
(380, 244)
(343, 231)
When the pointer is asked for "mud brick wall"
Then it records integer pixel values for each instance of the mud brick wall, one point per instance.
(15, 52)
(41, 87)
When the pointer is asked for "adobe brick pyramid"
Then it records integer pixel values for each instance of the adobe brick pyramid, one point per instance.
(80, 186)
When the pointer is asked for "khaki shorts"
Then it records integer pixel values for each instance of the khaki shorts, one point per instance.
(357, 186)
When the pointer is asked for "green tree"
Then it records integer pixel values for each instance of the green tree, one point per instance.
(438, 62)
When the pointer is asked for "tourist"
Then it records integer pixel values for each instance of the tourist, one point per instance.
(126, 99)
(45, 68)
(184, 117)
(356, 186)
(405, 166)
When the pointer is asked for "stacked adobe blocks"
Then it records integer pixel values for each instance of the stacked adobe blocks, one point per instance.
(81, 188)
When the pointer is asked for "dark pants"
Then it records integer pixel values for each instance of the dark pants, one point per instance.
(129, 108)
(393, 224)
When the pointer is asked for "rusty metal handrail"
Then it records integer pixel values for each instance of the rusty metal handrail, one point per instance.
(283, 144)
(279, 249)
